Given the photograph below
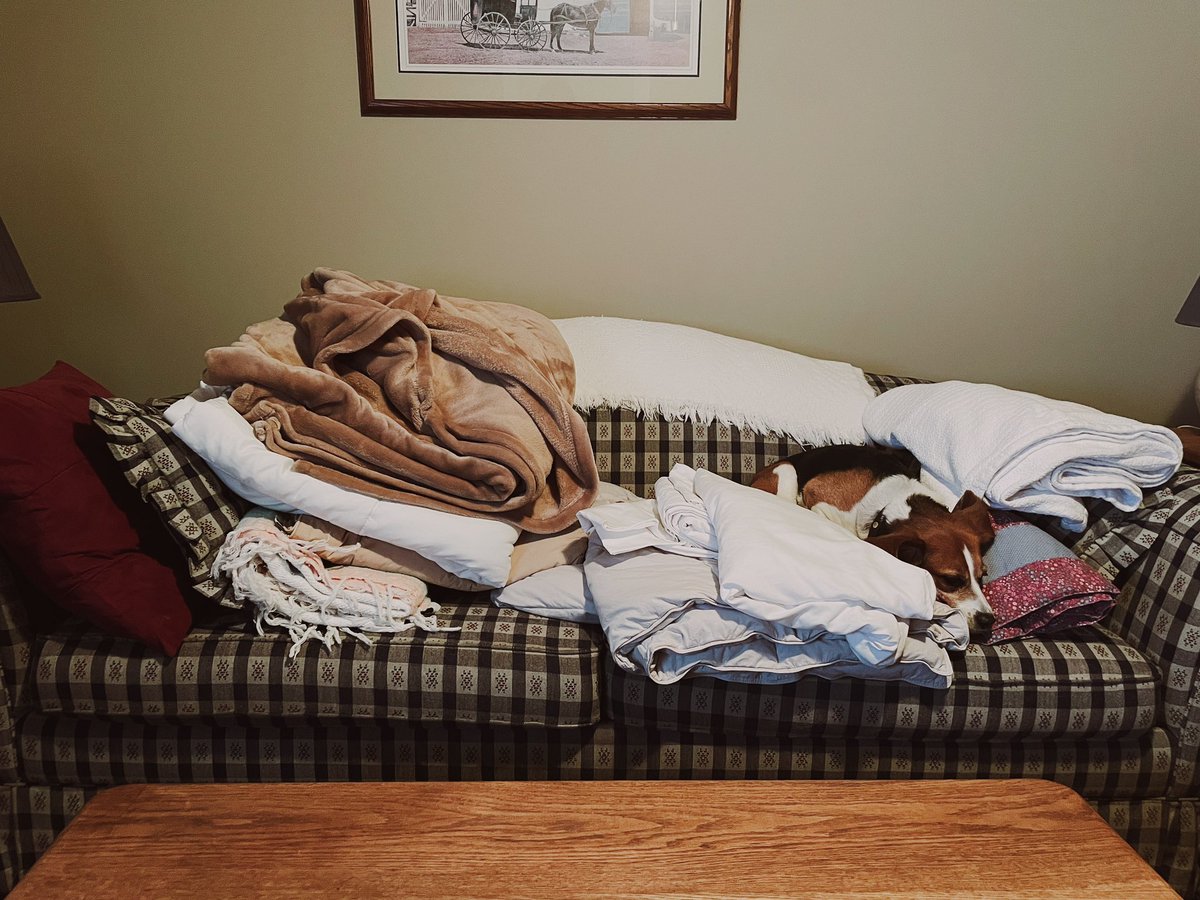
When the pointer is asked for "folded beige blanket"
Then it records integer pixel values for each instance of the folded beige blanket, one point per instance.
(403, 394)
(532, 553)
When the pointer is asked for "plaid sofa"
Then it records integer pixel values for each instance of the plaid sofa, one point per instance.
(1112, 711)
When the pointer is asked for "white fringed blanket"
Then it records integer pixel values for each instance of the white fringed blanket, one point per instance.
(678, 372)
(289, 586)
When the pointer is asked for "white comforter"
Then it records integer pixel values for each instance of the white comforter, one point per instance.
(788, 593)
(1024, 452)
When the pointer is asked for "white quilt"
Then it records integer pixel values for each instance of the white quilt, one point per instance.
(788, 593)
(662, 616)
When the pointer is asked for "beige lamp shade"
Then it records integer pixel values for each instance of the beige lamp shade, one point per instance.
(14, 280)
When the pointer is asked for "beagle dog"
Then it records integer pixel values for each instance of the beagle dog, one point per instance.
(876, 493)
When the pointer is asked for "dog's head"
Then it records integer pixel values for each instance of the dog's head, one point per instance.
(949, 544)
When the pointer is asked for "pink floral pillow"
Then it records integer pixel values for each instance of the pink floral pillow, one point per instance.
(1036, 585)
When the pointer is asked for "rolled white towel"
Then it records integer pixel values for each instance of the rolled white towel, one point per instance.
(627, 527)
(681, 510)
(1022, 451)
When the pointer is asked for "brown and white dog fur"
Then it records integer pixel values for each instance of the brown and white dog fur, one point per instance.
(876, 494)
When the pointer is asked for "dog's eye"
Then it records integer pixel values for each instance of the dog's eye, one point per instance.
(951, 582)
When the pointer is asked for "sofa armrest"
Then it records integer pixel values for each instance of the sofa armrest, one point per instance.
(16, 637)
(1153, 555)
(16, 649)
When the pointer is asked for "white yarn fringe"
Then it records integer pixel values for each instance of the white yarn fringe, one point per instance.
(680, 372)
(707, 414)
(289, 587)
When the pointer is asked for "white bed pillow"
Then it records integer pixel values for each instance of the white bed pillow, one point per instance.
(679, 372)
(558, 593)
(477, 549)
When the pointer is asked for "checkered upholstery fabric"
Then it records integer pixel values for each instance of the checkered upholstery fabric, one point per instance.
(11, 867)
(503, 667)
(38, 816)
(634, 451)
(8, 749)
(1089, 685)
(1115, 541)
(1178, 863)
(16, 645)
(1159, 610)
(1164, 834)
(197, 509)
(882, 383)
(1152, 553)
(16, 637)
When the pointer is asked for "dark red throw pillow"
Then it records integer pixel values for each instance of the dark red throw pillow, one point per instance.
(70, 522)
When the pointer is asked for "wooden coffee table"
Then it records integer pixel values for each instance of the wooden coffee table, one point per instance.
(591, 839)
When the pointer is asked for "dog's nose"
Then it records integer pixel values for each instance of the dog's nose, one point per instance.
(981, 623)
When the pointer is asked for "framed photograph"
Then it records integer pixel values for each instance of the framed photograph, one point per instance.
(547, 59)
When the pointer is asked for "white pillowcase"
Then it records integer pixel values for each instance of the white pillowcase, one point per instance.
(558, 593)
(680, 372)
(479, 550)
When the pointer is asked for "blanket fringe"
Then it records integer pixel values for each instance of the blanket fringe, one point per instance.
(289, 587)
(707, 414)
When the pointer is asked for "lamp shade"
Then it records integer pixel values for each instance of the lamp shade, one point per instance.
(14, 280)
(1190, 313)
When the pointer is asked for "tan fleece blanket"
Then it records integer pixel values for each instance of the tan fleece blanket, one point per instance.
(397, 392)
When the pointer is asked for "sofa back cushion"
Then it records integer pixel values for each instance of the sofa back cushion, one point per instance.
(635, 450)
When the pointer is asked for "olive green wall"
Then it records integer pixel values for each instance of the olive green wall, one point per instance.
(1003, 190)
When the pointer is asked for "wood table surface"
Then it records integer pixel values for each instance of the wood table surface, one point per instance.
(592, 839)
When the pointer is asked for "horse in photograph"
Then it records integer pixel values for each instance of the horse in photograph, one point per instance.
(581, 17)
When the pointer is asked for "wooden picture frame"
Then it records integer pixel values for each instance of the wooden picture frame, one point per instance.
(501, 63)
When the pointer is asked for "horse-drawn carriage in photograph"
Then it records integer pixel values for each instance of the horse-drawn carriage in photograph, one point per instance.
(493, 24)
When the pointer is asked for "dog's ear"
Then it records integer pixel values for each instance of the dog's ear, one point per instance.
(905, 547)
(966, 501)
(974, 513)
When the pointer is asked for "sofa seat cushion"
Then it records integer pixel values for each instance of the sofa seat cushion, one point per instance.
(504, 667)
(1077, 684)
